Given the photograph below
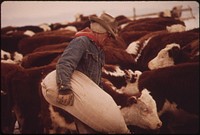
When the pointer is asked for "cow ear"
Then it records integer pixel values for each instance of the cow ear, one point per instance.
(131, 100)
(174, 52)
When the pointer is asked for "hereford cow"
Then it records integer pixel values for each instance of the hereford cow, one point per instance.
(156, 43)
(137, 46)
(115, 81)
(144, 107)
(119, 57)
(62, 122)
(183, 80)
(151, 24)
(172, 54)
(26, 104)
(29, 44)
(175, 89)
(39, 59)
(21, 86)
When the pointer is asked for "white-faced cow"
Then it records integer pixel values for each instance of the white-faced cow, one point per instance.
(171, 55)
(138, 111)
(175, 90)
(118, 82)
(156, 43)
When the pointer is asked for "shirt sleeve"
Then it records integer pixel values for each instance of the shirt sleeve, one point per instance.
(68, 62)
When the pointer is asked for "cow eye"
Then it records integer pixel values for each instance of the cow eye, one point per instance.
(161, 56)
(145, 110)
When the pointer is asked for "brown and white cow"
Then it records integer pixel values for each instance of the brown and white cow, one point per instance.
(156, 43)
(151, 24)
(118, 82)
(62, 122)
(171, 55)
(29, 44)
(141, 112)
(38, 59)
(176, 92)
(21, 88)
(119, 57)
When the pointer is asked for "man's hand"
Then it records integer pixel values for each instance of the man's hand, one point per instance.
(65, 97)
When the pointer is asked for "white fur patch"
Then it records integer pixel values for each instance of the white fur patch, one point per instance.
(59, 121)
(71, 28)
(133, 48)
(29, 33)
(140, 51)
(18, 57)
(167, 13)
(124, 25)
(8, 61)
(144, 95)
(4, 53)
(3, 92)
(118, 72)
(77, 17)
(176, 28)
(45, 27)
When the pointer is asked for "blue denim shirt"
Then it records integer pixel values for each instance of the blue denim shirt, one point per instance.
(81, 54)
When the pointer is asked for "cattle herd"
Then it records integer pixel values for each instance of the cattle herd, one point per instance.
(151, 71)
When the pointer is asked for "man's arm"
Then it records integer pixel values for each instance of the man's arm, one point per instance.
(68, 63)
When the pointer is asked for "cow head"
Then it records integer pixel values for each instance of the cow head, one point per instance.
(142, 112)
(165, 57)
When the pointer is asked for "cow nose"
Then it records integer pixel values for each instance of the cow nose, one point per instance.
(159, 124)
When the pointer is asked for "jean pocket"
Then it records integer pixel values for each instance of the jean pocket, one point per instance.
(91, 56)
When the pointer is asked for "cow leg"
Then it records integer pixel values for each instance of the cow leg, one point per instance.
(83, 128)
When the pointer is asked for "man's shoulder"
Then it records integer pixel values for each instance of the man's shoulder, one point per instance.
(83, 38)
(82, 41)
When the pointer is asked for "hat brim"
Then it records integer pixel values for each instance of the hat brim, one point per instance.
(105, 25)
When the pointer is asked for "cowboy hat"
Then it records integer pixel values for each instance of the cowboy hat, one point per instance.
(104, 23)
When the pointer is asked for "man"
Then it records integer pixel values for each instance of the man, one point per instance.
(84, 53)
